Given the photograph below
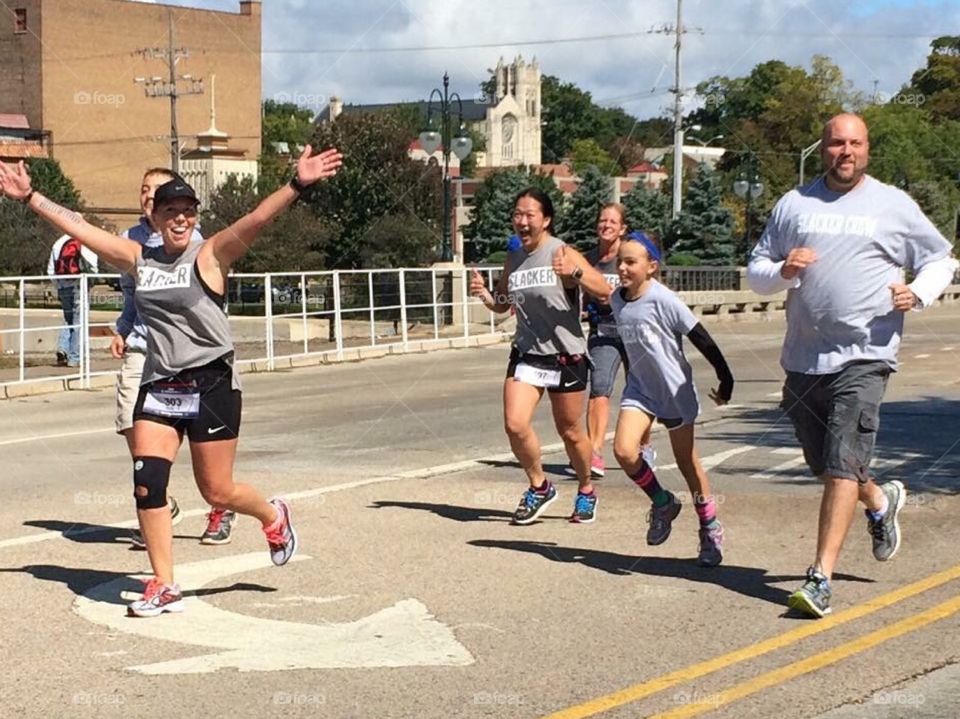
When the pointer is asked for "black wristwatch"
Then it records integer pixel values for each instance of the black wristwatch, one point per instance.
(298, 186)
(577, 274)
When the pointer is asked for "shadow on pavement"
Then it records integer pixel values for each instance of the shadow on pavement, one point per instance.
(560, 470)
(920, 435)
(750, 581)
(449, 511)
(81, 581)
(86, 533)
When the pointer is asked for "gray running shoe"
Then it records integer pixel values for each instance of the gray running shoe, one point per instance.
(711, 545)
(813, 597)
(886, 530)
(176, 516)
(219, 526)
(282, 540)
(533, 504)
(661, 521)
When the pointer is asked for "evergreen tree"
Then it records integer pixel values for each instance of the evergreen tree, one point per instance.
(704, 229)
(648, 210)
(580, 226)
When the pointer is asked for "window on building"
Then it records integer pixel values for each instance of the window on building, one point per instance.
(509, 137)
(20, 20)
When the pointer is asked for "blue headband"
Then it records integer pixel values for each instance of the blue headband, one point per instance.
(651, 248)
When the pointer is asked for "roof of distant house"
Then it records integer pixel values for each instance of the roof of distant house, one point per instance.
(642, 167)
(472, 110)
(14, 122)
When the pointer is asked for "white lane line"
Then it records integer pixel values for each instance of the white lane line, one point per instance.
(423, 473)
(777, 469)
(920, 356)
(775, 394)
(793, 451)
(61, 435)
(946, 349)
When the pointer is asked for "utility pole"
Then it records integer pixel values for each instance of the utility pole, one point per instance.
(168, 87)
(678, 118)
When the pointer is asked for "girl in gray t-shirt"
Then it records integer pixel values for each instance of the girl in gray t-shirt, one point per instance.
(651, 322)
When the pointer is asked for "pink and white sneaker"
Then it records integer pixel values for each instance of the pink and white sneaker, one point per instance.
(157, 599)
(597, 467)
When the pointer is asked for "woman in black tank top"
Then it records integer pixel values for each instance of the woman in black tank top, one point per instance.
(201, 401)
(555, 323)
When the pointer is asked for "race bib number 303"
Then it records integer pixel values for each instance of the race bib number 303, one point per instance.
(172, 402)
(537, 377)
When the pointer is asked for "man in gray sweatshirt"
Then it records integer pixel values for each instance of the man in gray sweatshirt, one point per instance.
(839, 247)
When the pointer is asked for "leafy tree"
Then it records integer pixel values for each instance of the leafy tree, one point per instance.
(378, 179)
(25, 239)
(585, 154)
(296, 240)
(490, 223)
(648, 210)
(704, 228)
(282, 123)
(580, 225)
(938, 84)
(939, 202)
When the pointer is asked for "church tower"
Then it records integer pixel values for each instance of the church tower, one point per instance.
(513, 123)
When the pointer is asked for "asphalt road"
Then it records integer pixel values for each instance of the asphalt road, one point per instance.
(415, 597)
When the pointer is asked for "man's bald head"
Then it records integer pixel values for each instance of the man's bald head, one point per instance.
(845, 151)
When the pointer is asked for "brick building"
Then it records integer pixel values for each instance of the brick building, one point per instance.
(68, 66)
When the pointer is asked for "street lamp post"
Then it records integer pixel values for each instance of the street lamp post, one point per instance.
(748, 186)
(804, 154)
(461, 145)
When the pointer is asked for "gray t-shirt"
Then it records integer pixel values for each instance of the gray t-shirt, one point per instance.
(187, 326)
(548, 314)
(842, 311)
(599, 313)
(651, 328)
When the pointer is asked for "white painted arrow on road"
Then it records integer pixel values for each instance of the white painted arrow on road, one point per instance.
(403, 635)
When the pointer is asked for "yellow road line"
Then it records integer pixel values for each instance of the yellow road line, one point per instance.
(817, 661)
(695, 671)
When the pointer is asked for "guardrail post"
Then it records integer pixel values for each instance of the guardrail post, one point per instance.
(337, 317)
(23, 321)
(268, 311)
(403, 308)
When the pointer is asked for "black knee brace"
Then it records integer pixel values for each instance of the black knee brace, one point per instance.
(150, 478)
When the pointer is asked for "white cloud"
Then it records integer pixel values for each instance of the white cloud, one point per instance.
(870, 42)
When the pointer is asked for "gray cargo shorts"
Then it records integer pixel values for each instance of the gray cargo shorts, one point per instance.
(836, 417)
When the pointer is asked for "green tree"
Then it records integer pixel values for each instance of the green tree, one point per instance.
(296, 240)
(378, 179)
(648, 210)
(937, 86)
(585, 154)
(939, 202)
(283, 122)
(25, 239)
(580, 220)
(490, 222)
(704, 228)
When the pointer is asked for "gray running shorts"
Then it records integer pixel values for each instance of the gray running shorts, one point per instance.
(836, 417)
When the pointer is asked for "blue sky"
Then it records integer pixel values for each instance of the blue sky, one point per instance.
(317, 48)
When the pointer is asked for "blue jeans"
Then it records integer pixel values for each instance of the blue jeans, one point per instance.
(69, 340)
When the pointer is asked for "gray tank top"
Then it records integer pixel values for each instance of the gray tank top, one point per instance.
(548, 315)
(599, 314)
(187, 326)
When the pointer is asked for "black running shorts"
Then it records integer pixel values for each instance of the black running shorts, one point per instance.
(199, 401)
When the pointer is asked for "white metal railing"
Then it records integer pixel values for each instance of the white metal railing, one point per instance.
(277, 316)
(273, 316)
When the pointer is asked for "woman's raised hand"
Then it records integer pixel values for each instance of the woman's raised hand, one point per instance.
(324, 164)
